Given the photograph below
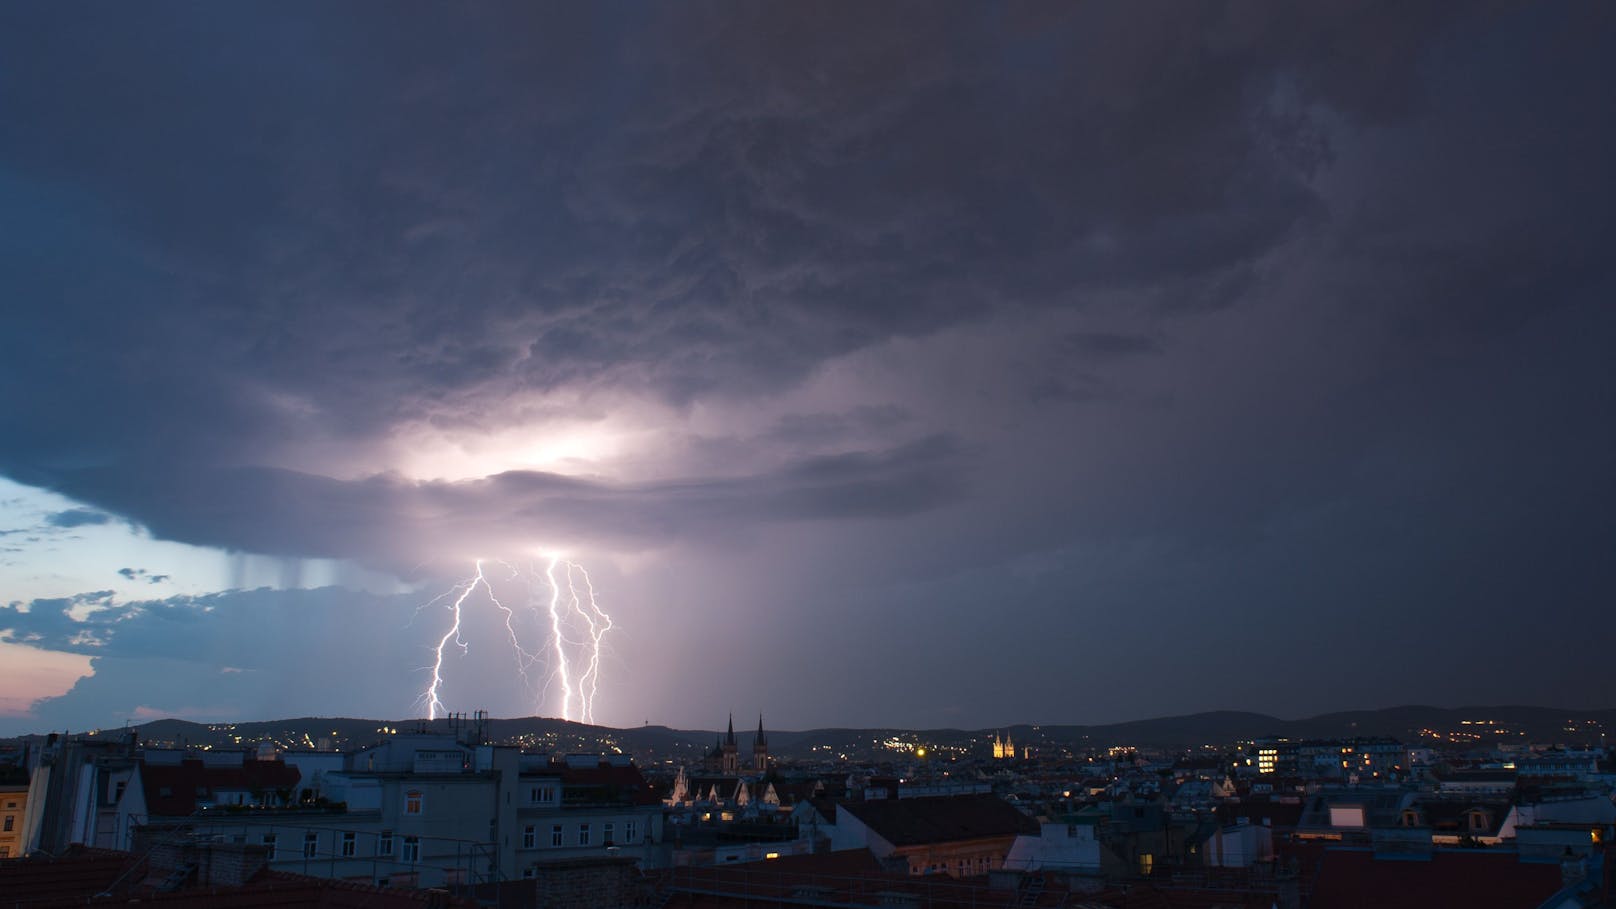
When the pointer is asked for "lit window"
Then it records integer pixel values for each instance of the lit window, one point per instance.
(530, 836)
(412, 849)
(348, 848)
(412, 802)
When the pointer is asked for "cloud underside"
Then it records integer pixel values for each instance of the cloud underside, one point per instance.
(393, 521)
(700, 207)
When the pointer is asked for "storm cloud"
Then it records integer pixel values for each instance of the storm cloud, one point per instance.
(1244, 320)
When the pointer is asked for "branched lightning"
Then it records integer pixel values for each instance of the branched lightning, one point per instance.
(434, 704)
(577, 628)
(599, 623)
(524, 659)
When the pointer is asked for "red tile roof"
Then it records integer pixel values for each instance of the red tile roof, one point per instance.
(173, 790)
(1353, 878)
(910, 822)
(853, 877)
(613, 783)
(79, 877)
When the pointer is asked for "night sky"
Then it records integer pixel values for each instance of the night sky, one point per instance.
(920, 365)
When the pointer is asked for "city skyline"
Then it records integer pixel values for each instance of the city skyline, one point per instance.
(922, 366)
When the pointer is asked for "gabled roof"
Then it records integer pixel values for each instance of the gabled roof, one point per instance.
(909, 822)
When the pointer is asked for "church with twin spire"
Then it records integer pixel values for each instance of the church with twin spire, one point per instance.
(725, 758)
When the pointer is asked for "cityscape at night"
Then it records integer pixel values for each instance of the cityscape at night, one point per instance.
(1144, 455)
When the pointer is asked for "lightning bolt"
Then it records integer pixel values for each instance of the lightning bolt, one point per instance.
(434, 704)
(524, 659)
(599, 624)
(570, 603)
(559, 639)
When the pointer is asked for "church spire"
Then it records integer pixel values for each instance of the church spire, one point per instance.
(760, 740)
(730, 738)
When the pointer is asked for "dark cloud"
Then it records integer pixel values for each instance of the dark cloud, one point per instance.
(130, 574)
(392, 521)
(77, 517)
(707, 202)
(1108, 344)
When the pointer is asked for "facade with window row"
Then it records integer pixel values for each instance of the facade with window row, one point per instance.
(423, 810)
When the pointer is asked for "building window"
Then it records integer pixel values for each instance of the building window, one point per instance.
(412, 802)
(555, 835)
(5, 852)
(628, 831)
(348, 848)
(606, 834)
(583, 834)
(384, 843)
(530, 836)
(269, 844)
(11, 819)
(412, 849)
(311, 845)
(541, 794)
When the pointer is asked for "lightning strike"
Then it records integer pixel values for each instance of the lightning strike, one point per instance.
(569, 606)
(599, 624)
(559, 639)
(434, 704)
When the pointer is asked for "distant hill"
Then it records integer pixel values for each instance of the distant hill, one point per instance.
(1411, 724)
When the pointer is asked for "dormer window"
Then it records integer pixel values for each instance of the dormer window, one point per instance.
(1411, 818)
(1478, 820)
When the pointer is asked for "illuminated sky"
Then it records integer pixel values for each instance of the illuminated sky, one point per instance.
(884, 364)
